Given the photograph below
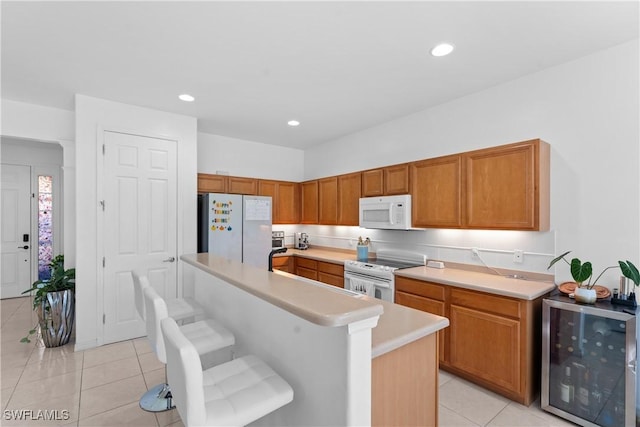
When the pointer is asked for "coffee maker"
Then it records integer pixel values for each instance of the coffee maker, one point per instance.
(301, 241)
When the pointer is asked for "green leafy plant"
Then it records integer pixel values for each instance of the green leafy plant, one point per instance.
(630, 271)
(582, 272)
(60, 280)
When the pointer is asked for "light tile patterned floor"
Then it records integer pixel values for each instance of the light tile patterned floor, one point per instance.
(101, 387)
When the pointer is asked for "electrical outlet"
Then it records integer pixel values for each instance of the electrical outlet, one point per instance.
(474, 253)
(518, 256)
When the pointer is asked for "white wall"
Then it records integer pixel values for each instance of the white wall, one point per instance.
(240, 157)
(92, 115)
(587, 110)
(37, 123)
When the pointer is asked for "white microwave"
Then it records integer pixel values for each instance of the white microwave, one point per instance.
(386, 212)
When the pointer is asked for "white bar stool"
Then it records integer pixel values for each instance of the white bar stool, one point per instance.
(206, 336)
(235, 393)
(179, 308)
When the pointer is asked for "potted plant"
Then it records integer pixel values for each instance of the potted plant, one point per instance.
(54, 303)
(582, 272)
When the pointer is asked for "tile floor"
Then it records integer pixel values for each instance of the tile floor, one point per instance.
(101, 387)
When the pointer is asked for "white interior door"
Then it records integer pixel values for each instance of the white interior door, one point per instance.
(140, 226)
(16, 223)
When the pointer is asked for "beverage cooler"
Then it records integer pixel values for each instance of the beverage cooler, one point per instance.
(589, 362)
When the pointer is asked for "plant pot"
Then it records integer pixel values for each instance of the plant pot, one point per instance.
(55, 317)
(585, 296)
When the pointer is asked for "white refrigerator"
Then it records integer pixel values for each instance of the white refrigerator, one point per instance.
(236, 227)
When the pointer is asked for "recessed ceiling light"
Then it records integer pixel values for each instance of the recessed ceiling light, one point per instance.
(186, 97)
(442, 49)
(293, 123)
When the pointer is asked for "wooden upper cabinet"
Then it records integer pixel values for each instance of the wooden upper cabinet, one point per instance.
(386, 181)
(288, 206)
(436, 192)
(309, 202)
(328, 200)
(508, 187)
(209, 183)
(239, 185)
(349, 188)
(396, 179)
(373, 183)
(285, 200)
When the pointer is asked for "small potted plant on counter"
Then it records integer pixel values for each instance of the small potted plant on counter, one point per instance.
(582, 272)
(54, 303)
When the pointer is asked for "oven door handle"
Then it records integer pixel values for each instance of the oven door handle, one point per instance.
(376, 282)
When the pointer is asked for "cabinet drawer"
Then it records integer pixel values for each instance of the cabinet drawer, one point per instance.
(307, 263)
(331, 279)
(327, 267)
(489, 303)
(306, 272)
(419, 287)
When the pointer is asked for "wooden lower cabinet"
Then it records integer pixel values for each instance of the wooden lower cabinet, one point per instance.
(492, 340)
(306, 268)
(404, 385)
(325, 272)
(283, 263)
(331, 274)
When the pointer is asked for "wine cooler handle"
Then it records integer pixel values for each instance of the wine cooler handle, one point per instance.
(632, 365)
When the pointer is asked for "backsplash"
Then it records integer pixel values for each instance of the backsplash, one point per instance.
(495, 247)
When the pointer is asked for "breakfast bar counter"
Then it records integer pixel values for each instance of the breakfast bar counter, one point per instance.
(350, 359)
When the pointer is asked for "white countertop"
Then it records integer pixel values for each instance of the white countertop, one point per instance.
(490, 283)
(323, 304)
(307, 301)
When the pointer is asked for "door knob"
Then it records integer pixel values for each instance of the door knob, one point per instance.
(23, 247)
(170, 259)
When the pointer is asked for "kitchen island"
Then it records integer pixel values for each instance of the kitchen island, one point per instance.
(351, 359)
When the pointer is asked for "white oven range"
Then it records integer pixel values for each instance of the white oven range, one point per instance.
(374, 277)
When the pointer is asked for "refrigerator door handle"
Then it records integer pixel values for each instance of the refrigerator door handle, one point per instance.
(170, 259)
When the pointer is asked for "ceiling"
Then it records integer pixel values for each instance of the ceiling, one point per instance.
(337, 67)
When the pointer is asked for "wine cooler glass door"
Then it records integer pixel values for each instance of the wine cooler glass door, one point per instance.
(586, 362)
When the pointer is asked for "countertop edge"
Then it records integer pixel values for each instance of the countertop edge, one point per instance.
(400, 341)
(366, 311)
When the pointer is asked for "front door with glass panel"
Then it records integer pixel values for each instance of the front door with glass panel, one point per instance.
(16, 230)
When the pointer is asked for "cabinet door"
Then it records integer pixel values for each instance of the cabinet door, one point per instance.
(373, 183)
(396, 179)
(430, 306)
(286, 200)
(349, 187)
(208, 183)
(486, 346)
(436, 192)
(306, 272)
(504, 186)
(238, 185)
(288, 203)
(309, 203)
(328, 200)
(281, 263)
(330, 279)
(270, 188)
